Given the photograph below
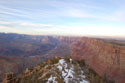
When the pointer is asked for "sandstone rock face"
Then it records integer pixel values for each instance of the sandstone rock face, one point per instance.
(106, 58)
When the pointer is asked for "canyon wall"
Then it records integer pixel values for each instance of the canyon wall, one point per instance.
(106, 57)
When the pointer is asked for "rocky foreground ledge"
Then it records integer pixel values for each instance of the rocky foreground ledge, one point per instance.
(57, 70)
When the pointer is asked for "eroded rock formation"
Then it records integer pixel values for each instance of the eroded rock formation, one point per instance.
(106, 58)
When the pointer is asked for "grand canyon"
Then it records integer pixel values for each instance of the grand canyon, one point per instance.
(62, 41)
(23, 57)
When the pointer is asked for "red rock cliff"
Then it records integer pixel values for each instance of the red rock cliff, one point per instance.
(107, 59)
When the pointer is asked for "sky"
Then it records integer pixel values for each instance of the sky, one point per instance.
(63, 17)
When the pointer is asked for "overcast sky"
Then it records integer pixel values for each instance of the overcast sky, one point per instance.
(63, 17)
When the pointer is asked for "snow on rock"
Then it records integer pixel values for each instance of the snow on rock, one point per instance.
(70, 60)
(67, 71)
(62, 61)
(52, 80)
(84, 81)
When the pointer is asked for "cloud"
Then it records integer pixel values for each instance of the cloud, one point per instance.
(35, 25)
(3, 27)
(24, 25)
(57, 9)
(11, 9)
(13, 13)
(40, 29)
(5, 22)
(55, 16)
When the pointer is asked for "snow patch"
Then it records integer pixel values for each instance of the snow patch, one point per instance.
(84, 81)
(68, 72)
(61, 61)
(70, 60)
(52, 80)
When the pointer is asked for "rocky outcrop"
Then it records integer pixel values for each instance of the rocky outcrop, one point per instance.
(105, 57)
(56, 70)
(9, 78)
